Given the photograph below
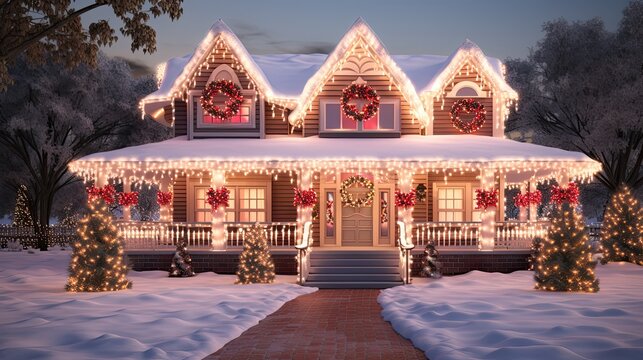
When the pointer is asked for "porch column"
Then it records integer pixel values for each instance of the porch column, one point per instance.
(523, 215)
(127, 187)
(533, 208)
(488, 216)
(218, 240)
(304, 215)
(405, 185)
(165, 212)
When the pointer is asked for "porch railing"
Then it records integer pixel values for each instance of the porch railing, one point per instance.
(142, 235)
(466, 235)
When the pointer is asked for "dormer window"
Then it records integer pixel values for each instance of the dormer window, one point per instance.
(333, 119)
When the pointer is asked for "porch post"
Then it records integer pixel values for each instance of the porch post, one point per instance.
(533, 208)
(523, 210)
(405, 185)
(218, 240)
(304, 215)
(127, 187)
(488, 217)
(165, 212)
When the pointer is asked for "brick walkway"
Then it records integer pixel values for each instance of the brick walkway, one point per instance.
(327, 324)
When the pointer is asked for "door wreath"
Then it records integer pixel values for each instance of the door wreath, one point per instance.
(349, 200)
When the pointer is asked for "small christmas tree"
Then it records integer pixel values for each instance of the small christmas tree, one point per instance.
(181, 262)
(21, 214)
(430, 264)
(255, 262)
(536, 248)
(97, 258)
(622, 231)
(565, 259)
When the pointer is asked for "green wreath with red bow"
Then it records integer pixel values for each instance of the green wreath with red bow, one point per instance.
(232, 103)
(364, 92)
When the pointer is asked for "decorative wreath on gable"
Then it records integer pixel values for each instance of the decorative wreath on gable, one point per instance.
(347, 198)
(232, 104)
(468, 106)
(360, 91)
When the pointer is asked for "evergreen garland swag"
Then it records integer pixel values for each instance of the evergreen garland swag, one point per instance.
(97, 258)
(181, 262)
(564, 261)
(255, 263)
(622, 230)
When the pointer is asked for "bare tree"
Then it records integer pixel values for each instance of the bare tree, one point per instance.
(581, 89)
(54, 28)
(52, 116)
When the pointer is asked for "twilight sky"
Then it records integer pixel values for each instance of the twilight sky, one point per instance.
(502, 28)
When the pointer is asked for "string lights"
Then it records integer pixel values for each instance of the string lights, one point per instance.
(622, 230)
(255, 263)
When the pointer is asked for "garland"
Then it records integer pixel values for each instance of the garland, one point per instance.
(330, 216)
(405, 200)
(569, 194)
(232, 104)
(304, 198)
(347, 198)
(486, 198)
(164, 198)
(468, 106)
(218, 197)
(528, 198)
(107, 193)
(360, 91)
(384, 212)
(128, 198)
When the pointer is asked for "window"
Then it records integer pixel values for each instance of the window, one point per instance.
(386, 119)
(466, 89)
(451, 203)
(242, 117)
(466, 92)
(246, 204)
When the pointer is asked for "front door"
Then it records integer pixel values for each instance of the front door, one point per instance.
(357, 222)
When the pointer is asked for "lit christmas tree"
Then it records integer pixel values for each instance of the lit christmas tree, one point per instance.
(622, 231)
(565, 259)
(181, 262)
(255, 262)
(97, 259)
(21, 214)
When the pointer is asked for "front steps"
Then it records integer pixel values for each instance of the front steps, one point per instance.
(354, 269)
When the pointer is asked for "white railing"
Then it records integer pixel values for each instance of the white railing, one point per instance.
(465, 235)
(518, 235)
(157, 235)
(447, 234)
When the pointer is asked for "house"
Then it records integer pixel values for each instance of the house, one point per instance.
(395, 147)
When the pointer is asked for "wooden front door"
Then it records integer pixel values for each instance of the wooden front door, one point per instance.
(357, 223)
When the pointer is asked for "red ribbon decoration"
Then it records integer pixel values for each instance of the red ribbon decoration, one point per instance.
(128, 198)
(218, 197)
(528, 198)
(569, 194)
(164, 198)
(304, 198)
(405, 200)
(486, 198)
(107, 193)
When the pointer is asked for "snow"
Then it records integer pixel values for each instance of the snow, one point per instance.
(287, 74)
(470, 148)
(160, 318)
(499, 316)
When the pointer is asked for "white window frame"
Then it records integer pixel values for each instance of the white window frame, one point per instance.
(466, 84)
(396, 117)
(469, 204)
(267, 185)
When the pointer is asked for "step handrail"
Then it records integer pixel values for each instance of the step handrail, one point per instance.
(405, 252)
(303, 251)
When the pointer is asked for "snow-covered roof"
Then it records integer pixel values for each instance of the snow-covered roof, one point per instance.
(461, 148)
(295, 78)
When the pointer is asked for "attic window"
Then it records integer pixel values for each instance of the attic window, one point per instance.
(334, 120)
(466, 92)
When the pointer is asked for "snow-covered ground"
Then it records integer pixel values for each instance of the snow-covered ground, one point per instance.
(160, 318)
(498, 316)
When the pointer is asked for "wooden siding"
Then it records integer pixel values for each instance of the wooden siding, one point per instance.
(375, 78)
(282, 195)
(180, 117)
(442, 117)
(179, 204)
(277, 124)
(421, 208)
